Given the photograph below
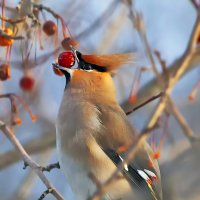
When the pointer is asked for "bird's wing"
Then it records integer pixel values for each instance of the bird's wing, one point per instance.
(119, 133)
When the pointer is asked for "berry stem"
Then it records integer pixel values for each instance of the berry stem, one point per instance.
(194, 91)
(63, 27)
(40, 37)
(135, 86)
(2, 21)
(26, 107)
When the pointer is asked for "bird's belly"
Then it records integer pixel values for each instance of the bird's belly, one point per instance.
(76, 172)
(77, 177)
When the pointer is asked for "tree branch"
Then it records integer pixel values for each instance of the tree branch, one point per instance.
(27, 159)
(3, 34)
(33, 147)
(190, 59)
(182, 122)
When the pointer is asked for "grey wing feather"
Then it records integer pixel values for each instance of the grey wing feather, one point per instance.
(119, 132)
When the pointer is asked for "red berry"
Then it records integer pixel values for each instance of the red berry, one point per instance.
(4, 72)
(27, 83)
(49, 27)
(66, 59)
(69, 41)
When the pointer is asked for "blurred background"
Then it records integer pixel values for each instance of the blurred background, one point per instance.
(100, 27)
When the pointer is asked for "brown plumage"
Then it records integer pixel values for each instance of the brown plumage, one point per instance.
(90, 122)
(111, 61)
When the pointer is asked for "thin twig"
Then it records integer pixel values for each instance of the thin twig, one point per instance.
(94, 180)
(35, 146)
(144, 103)
(173, 108)
(8, 8)
(195, 4)
(45, 193)
(42, 7)
(151, 87)
(3, 34)
(182, 122)
(13, 21)
(182, 67)
(25, 188)
(27, 159)
(97, 23)
(138, 23)
(189, 59)
(164, 67)
(50, 167)
(137, 18)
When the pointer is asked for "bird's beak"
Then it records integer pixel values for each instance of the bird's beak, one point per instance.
(63, 69)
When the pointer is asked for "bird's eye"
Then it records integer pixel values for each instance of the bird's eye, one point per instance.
(89, 66)
(66, 59)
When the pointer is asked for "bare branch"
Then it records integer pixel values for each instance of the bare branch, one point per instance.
(182, 67)
(182, 122)
(50, 167)
(45, 193)
(90, 30)
(13, 21)
(163, 65)
(195, 4)
(144, 103)
(3, 34)
(24, 190)
(8, 8)
(15, 119)
(94, 179)
(33, 147)
(27, 159)
(42, 7)
(189, 59)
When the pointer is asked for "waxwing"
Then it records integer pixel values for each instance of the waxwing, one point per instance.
(92, 129)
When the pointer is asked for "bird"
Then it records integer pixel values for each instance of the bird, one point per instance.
(93, 133)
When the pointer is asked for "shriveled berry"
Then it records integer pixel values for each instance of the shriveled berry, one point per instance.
(69, 41)
(49, 27)
(27, 83)
(5, 41)
(4, 72)
(66, 59)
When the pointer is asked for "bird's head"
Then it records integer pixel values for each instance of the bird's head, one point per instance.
(93, 74)
(88, 78)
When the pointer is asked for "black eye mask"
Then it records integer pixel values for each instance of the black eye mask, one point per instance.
(82, 64)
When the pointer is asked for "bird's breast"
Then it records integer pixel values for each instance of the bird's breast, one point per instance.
(78, 125)
(78, 161)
